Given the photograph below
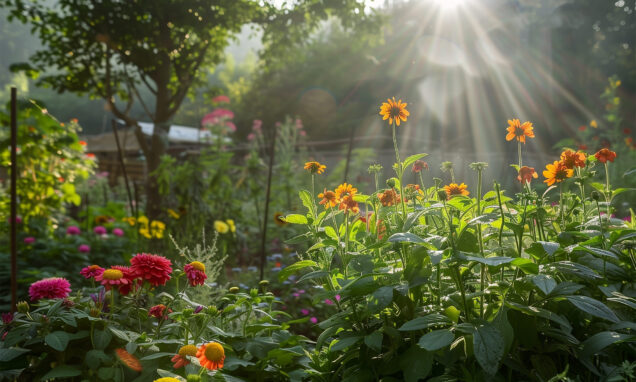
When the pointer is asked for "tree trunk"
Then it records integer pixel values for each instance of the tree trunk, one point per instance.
(159, 145)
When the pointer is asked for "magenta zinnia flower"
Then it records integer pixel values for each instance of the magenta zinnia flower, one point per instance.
(118, 232)
(100, 230)
(84, 248)
(153, 268)
(158, 311)
(7, 318)
(73, 230)
(91, 271)
(29, 240)
(112, 277)
(53, 287)
(124, 289)
(196, 273)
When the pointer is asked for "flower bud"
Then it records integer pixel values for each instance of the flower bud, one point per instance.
(234, 290)
(22, 307)
(596, 195)
(193, 378)
(95, 312)
(213, 310)
(264, 283)
(391, 182)
(254, 292)
(441, 195)
(187, 313)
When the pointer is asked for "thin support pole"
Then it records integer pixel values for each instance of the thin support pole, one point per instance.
(14, 198)
(267, 194)
(349, 150)
(123, 166)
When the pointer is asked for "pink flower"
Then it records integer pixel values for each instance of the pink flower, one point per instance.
(7, 318)
(221, 99)
(118, 232)
(305, 312)
(158, 311)
(91, 271)
(328, 302)
(100, 230)
(257, 124)
(338, 297)
(230, 125)
(54, 287)
(153, 268)
(112, 278)
(84, 248)
(216, 116)
(303, 133)
(124, 289)
(196, 273)
(29, 240)
(251, 136)
(299, 123)
(18, 220)
(628, 218)
(73, 230)
(313, 320)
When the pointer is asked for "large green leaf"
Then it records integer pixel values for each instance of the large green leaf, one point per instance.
(291, 269)
(419, 323)
(416, 363)
(405, 237)
(490, 261)
(57, 340)
(374, 341)
(601, 340)
(545, 283)
(296, 219)
(436, 339)
(101, 338)
(540, 312)
(11, 353)
(489, 345)
(62, 371)
(411, 159)
(593, 307)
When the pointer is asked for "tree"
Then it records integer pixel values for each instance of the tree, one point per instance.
(119, 50)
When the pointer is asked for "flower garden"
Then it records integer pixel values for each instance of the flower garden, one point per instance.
(256, 258)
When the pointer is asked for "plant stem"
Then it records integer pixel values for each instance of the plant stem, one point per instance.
(399, 170)
(608, 192)
(519, 152)
(482, 267)
(582, 188)
(561, 206)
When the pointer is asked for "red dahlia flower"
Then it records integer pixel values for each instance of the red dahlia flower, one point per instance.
(153, 268)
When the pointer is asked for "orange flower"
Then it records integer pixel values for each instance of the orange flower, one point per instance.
(389, 197)
(315, 167)
(604, 155)
(128, 359)
(573, 159)
(329, 198)
(180, 359)
(454, 189)
(345, 190)
(348, 204)
(394, 111)
(419, 165)
(556, 172)
(211, 355)
(526, 174)
(519, 131)
(278, 219)
(83, 143)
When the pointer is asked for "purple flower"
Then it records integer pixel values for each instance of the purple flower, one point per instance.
(313, 320)
(338, 297)
(73, 230)
(305, 312)
(84, 248)
(198, 309)
(328, 302)
(118, 232)
(7, 318)
(628, 218)
(18, 220)
(29, 240)
(100, 230)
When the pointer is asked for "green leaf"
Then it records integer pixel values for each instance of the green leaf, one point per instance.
(599, 252)
(489, 347)
(344, 343)
(156, 355)
(416, 364)
(374, 341)
(526, 265)
(290, 270)
(436, 339)
(540, 249)
(419, 323)
(405, 237)
(380, 299)
(411, 159)
(490, 261)
(540, 312)
(313, 275)
(593, 307)
(565, 288)
(295, 219)
(575, 269)
(94, 358)
(101, 338)
(600, 341)
(330, 232)
(120, 334)
(545, 283)
(11, 353)
(57, 340)
(619, 191)
(62, 371)
(306, 198)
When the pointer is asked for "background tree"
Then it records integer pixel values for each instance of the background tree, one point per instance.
(119, 51)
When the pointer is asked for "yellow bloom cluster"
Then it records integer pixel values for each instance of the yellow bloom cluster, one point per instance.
(224, 226)
(148, 229)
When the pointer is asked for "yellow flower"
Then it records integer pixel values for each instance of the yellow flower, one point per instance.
(221, 227)
(230, 222)
(593, 123)
(454, 189)
(394, 110)
(173, 214)
(145, 233)
(130, 220)
(315, 167)
(166, 379)
(519, 130)
(142, 220)
(157, 227)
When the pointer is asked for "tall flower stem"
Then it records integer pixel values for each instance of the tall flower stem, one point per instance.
(608, 192)
(582, 188)
(561, 206)
(481, 245)
(501, 212)
(519, 152)
(398, 169)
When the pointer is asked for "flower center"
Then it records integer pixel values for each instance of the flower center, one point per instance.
(519, 131)
(561, 174)
(198, 266)
(113, 274)
(190, 350)
(214, 352)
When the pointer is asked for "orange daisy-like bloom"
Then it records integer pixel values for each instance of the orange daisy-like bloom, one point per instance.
(180, 359)
(348, 204)
(518, 130)
(573, 159)
(419, 165)
(526, 174)
(389, 197)
(211, 355)
(315, 167)
(345, 190)
(394, 111)
(455, 189)
(128, 359)
(556, 172)
(604, 155)
(329, 198)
